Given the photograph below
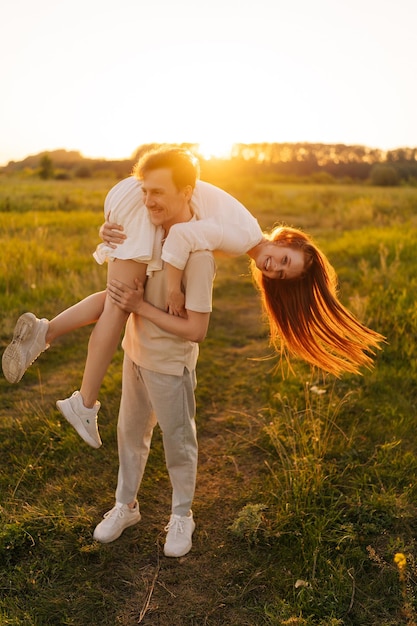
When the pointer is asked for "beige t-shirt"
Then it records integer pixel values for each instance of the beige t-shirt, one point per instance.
(155, 349)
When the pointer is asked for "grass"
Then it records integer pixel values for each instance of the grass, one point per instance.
(306, 489)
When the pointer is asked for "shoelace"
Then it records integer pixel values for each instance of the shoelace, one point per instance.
(115, 512)
(179, 523)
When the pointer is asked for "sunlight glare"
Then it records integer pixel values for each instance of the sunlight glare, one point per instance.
(215, 149)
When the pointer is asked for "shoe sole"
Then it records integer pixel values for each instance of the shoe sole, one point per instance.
(13, 361)
(76, 423)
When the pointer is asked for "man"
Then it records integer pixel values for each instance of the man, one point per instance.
(159, 380)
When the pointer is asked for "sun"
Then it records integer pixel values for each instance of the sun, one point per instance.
(215, 149)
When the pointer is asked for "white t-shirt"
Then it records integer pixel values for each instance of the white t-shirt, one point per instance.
(226, 225)
(149, 346)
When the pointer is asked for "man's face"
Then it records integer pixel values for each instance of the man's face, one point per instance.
(165, 203)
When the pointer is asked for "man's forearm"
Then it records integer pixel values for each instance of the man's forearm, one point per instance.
(192, 328)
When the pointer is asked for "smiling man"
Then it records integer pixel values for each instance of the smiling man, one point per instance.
(159, 378)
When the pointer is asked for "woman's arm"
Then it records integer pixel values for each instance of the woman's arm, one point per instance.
(222, 223)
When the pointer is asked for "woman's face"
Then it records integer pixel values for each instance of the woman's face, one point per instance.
(280, 262)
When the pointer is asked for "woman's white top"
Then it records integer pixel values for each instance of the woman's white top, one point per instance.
(223, 223)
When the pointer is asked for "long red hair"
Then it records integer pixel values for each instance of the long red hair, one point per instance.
(306, 318)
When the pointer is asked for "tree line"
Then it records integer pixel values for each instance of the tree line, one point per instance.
(282, 161)
(339, 161)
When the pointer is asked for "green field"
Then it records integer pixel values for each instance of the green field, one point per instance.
(306, 488)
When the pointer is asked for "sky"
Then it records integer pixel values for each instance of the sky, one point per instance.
(105, 76)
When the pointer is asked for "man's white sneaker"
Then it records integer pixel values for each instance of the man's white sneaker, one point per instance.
(116, 521)
(84, 420)
(27, 344)
(179, 533)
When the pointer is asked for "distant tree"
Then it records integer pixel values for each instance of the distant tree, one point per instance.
(46, 167)
(384, 176)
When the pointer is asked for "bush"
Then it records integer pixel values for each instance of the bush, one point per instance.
(83, 172)
(384, 176)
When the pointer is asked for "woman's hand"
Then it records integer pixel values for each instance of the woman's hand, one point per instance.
(175, 303)
(112, 234)
(127, 299)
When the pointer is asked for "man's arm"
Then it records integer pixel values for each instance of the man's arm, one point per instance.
(193, 327)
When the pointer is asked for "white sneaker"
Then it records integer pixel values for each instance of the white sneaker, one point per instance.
(27, 344)
(180, 530)
(116, 521)
(84, 420)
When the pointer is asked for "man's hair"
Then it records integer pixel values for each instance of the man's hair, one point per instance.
(184, 165)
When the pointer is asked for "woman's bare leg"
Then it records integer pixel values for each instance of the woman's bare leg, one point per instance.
(106, 334)
(81, 314)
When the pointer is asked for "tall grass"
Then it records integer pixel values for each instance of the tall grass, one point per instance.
(319, 474)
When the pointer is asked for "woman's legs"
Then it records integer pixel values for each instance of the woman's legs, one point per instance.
(106, 333)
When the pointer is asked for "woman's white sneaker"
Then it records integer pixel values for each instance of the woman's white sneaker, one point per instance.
(27, 344)
(116, 521)
(84, 420)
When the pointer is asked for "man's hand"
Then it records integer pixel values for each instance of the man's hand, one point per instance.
(111, 233)
(127, 299)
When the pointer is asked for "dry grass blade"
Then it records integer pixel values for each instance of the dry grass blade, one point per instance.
(149, 593)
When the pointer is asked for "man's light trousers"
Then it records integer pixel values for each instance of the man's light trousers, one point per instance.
(149, 398)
